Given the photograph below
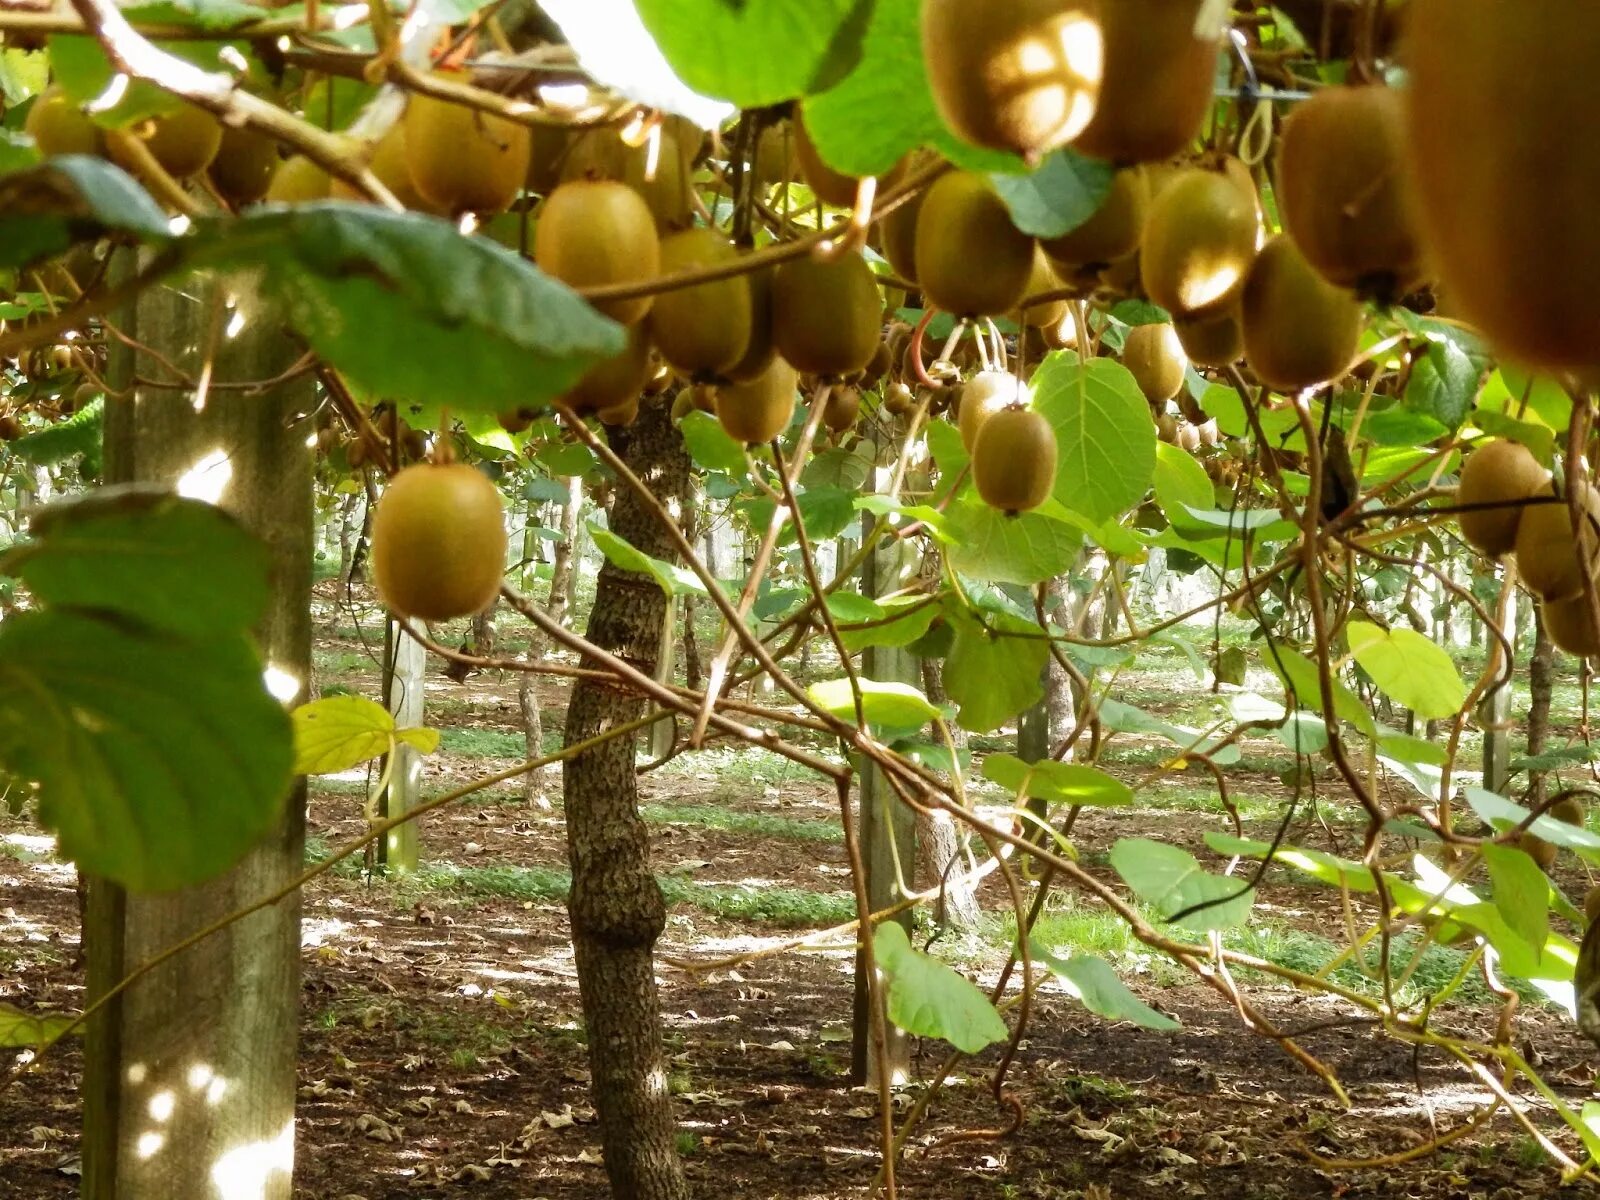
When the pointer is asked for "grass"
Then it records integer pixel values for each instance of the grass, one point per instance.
(730, 820)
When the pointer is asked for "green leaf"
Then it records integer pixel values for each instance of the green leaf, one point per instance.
(19, 1028)
(159, 759)
(709, 445)
(1502, 814)
(756, 54)
(339, 732)
(1320, 865)
(81, 67)
(69, 199)
(134, 552)
(1405, 748)
(1056, 782)
(853, 606)
(1181, 484)
(994, 678)
(837, 467)
(930, 999)
(1024, 549)
(1106, 441)
(1061, 194)
(1300, 676)
(673, 580)
(1521, 892)
(1408, 668)
(1443, 384)
(1169, 878)
(1093, 983)
(79, 434)
(910, 618)
(388, 297)
(210, 15)
(1125, 718)
(902, 514)
(884, 703)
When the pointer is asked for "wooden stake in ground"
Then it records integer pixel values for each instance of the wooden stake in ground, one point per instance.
(189, 1078)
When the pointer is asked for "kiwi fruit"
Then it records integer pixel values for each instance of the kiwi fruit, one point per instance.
(1063, 335)
(615, 380)
(298, 180)
(10, 427)
(1535, 847)
(547, 154)
(758, 411)
(1014, 460)
(389, 164)
(842, 408)
(1188, 437)
(1167, 428)
(464, 160)
(775, 160)
(830, 186)
(971, 260)
(897, 399)
(1021, 76)
(826, 314)
(1198, 243)
(1041, 280)
(878, 365)
(621, 414)
(661, 177)
(596, 232)
(58, 126)
(1299, 329)
(897, 233)
(1156, 82)
(985, 394)
(704, 329)
(1503, 170)
(517, 420)
(761, 349)
(243, 168)
(1591, 904)
(183, 141)
(1112, 233)
(438, 542)
(1500, 472)
(1214, 340)
(1570, 624)
(1547, 551)
(1157, 361)
(1341, 190)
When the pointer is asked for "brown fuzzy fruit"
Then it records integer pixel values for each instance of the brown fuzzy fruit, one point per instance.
(1503, 473)
(661, 175)
(1199, 241)
(704, 329)
(1299, 329)
(1547, 551)
(1341, 190)
(1014, 460)
(1157, 81)
(389, 165)
(830, 186)
(597, 233)
(760, 350)
(1156, 358)
(1591, 904)
(58, 126)
(1042, 279)
(464, 160)
(758, 411)
(1213, 341)
(1021, 76)
(298, 180)
(826, 314)
(615, 380)
(183, 141)
(1501, 105)
(1569, 811)
(1535, 847)
(897, 399)
(10, 427)
(1112, 233)
(438, 542)
(985, 394)
(621, 414)
(898, 234)
(243, 168)
(842, 408)
(964, 223)
(1571, 626)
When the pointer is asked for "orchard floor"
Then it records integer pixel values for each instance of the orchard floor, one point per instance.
(442, 1046)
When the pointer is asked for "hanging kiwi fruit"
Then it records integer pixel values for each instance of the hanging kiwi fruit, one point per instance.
(1341, 190)
(826, 314)
(1547, 550)
(438, 542)
(1571, 626)
(595, 232)
(464, 160)
(1504, 474)
(1156, 82)
(985, 394)
(1213, 340)
(1021, 76)
(243, 168)
(704, 329)
(756, 412)
(1299, 329)
(830, 186)
(1155, 357)
(1199, 240)
(760, 350)
(58, 126)
(1014, 460)
(389, 165)
(183, 141)
(658, 168)
(1111, 234)
(842, 408)
(1500, 108)
(298, 180)
(1041, 281)
(614, 380)
(964, 223)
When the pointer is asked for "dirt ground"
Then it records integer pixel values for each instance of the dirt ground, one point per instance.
(442, 1047)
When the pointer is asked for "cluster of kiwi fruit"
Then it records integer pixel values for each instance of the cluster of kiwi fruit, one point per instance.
(1510, 506)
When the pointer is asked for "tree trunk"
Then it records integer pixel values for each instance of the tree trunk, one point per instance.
(616, 906)
(189, 1075)
(483, 632)
(1541, 683)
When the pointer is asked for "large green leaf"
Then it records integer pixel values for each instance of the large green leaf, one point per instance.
(68, 199)
(993, 678)
(336, 733)
(1093, 983)
(883, 702)
(709, 445)
(930, 999)
(1105, 438)
(1025, 549)
(80, 66)
(671, 578)
(20, 1028)
(159, 759)
(1062, 193)
(1169, 878)
(1502, 814)
(1443, 383)
(757, 52)
(1301, 677)
(411, 309)
(905, 619)
(1521, 892)
(1319, 864)
(79, 434)
(1408, 668)
(1181, 484)
(139, 553)
(1126, 718)
(1056, 782)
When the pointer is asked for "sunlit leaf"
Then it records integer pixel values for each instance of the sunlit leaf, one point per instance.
(930, 999)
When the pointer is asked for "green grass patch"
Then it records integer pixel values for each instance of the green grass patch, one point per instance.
(765, 825)
(483, 743)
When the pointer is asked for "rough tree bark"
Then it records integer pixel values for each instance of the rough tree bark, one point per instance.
(1541, 682)
(561, 575)
(616, 906)
(189, 1076)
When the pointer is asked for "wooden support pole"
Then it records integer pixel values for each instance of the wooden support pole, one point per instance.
(404, 666)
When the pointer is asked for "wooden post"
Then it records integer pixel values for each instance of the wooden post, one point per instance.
(404, 664)
(1494, 710)
(662, 732)
(888, 828)
(189, 1075)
